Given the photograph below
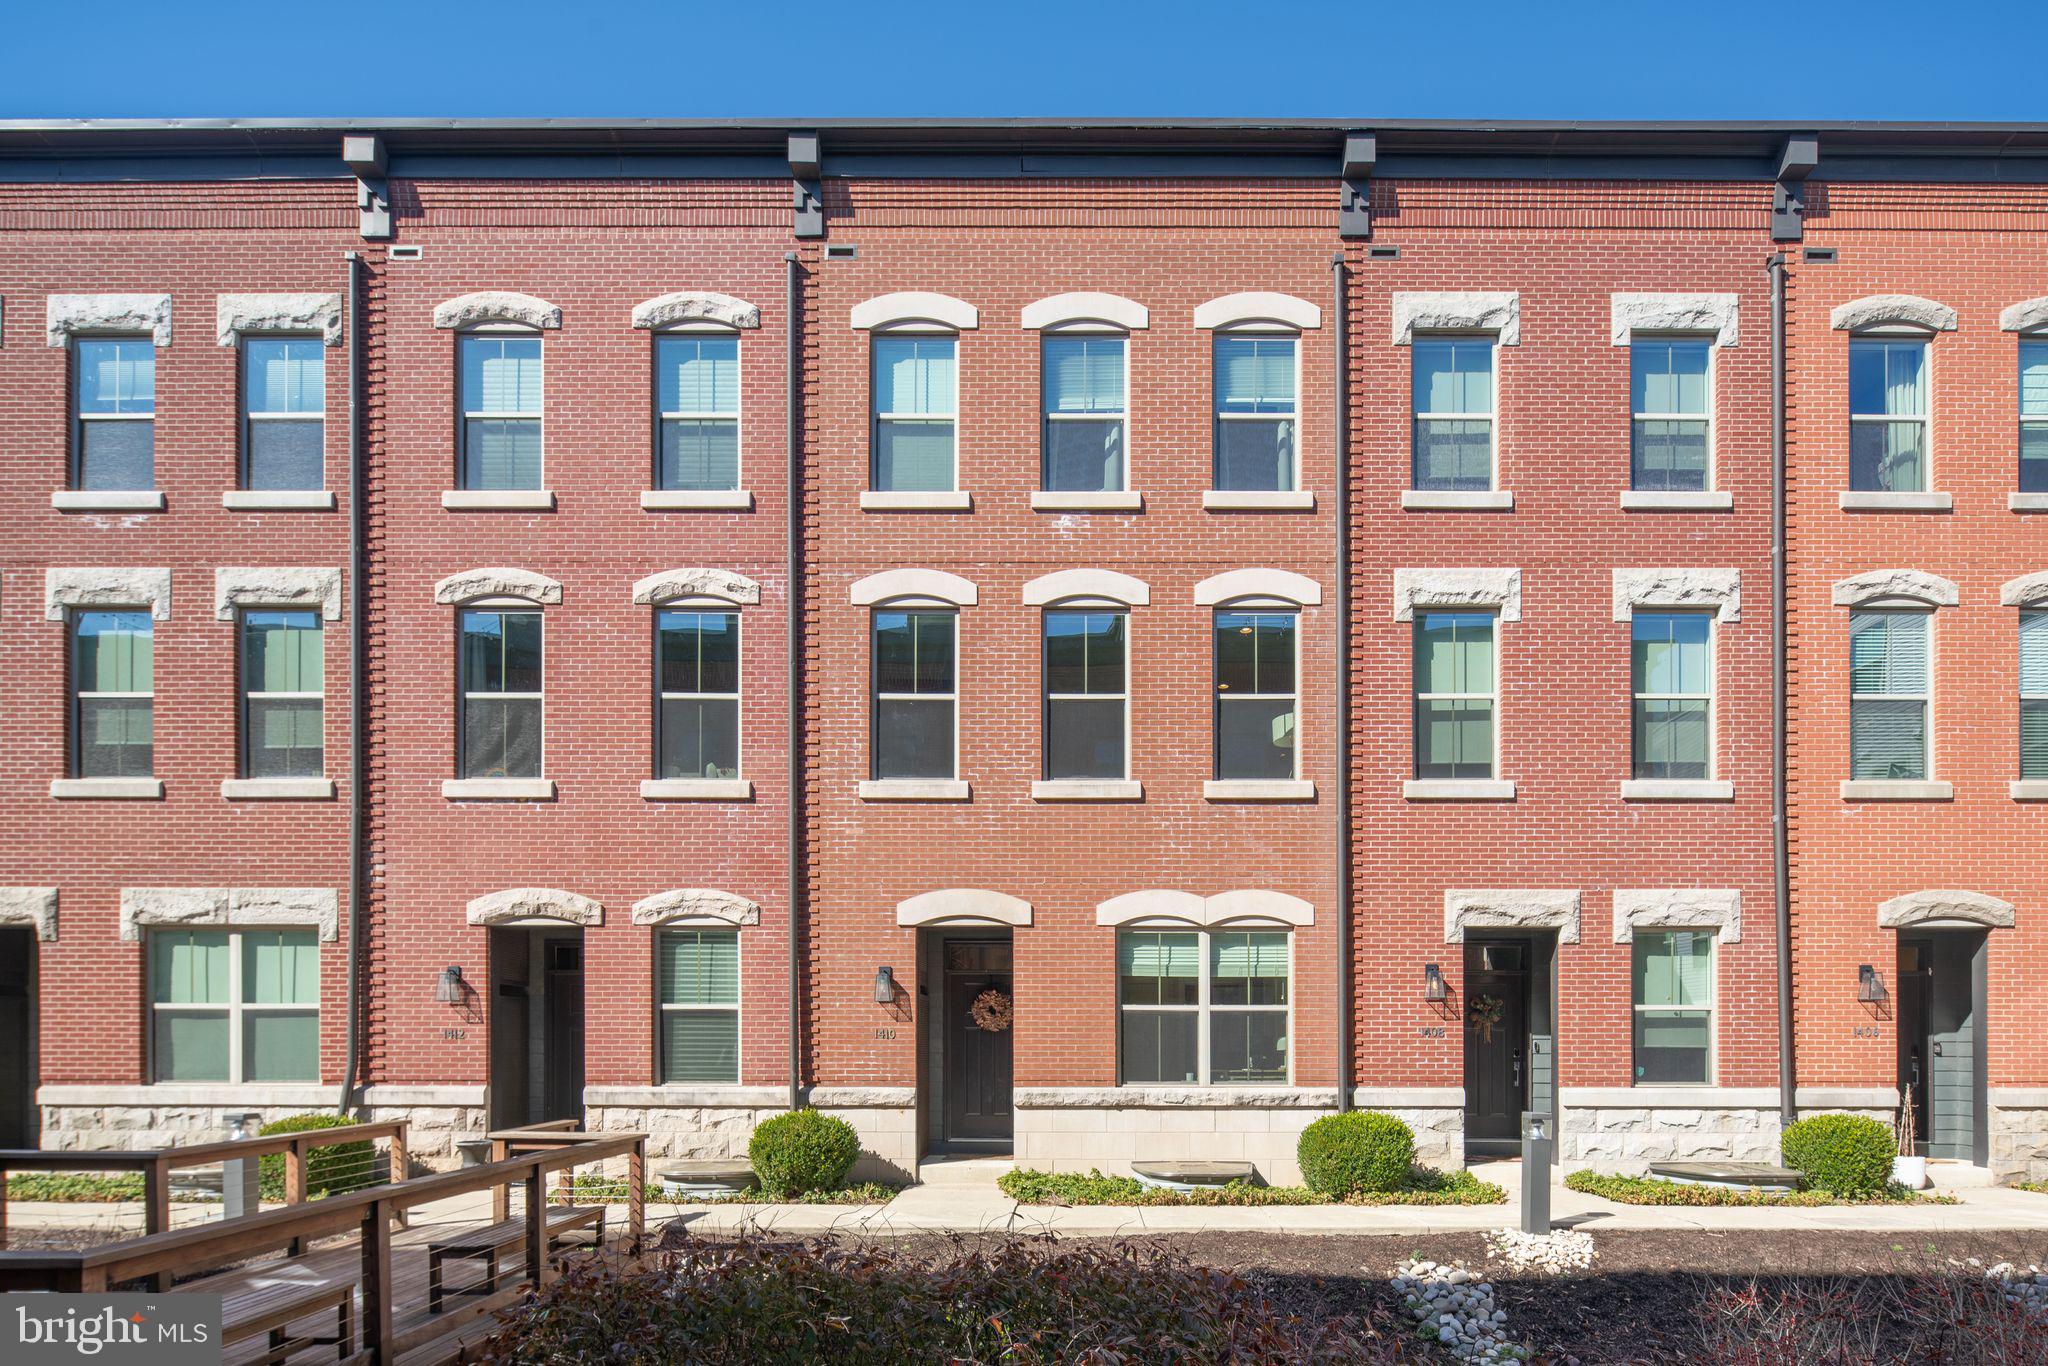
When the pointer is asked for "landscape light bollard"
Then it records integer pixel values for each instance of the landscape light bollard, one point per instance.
(1537, 1144)
(240, 1193)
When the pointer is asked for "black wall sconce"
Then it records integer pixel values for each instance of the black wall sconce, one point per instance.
(885, 987)
(449, 988)
(1868, 985)
(1434, 988)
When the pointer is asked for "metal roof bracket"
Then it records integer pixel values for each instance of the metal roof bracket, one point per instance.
(364, 157)
(808, 195)
(1788, 196)
(1354, 203)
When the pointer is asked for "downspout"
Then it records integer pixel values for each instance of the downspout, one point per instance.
(358, 687)
(1342, 403)
(791, 569)
(1781, 835)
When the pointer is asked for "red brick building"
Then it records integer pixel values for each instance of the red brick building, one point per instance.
(1096, 643)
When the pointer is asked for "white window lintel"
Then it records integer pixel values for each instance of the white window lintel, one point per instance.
(1658, 589)
(1495, 311)
(72, 314)
(240, 315)
(696, 306)
(1497, 590)
(1644, 909)
(914, 306)
(921, 585)
(497, 306)
(1254, 307)
(1264, 585)
(1882, 585)
(1893, 310)
(107, 587)
(722, 584)
(1716, 315)
(472, 584)
(276, 587)
(1087, 585)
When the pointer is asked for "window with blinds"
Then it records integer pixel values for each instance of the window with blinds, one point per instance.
(1674, 1008)
(1453, 413)
(1672, 437)
(1673, 666)
(2034, 417)
(1257, 412)
(916, 414)
(1085, 419)
(699, 713)
(1888, 694)
(1888, 415)
(114, 427)
(697, 390)
(1087, 695)
(1454, 695)
(1202, 1008)
(113, 694)
(2034, 695)
(698, 974)
(284, 404)
(915, 695)
(284, 680)
(501, 694)
(1255, 695)
(235, 1006)
(501, 411)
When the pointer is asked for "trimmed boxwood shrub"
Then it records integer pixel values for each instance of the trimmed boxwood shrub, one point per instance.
(333, 1170)
(803, 1151)
(1357, 1152)
(1848, 1154)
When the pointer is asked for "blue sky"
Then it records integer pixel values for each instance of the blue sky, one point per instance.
(1679, 59)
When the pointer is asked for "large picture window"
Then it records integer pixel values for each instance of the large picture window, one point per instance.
(2034, 417)
(1085, 420)
(114, 442)
(1888, 695)
(915, 695)
(1454, 696)
(697, 384)
(1087, 699)
(501, 693)
(1257, 412)
(284, 679)
(1888, 415)
(284, 402)
(700, 694)
(501, 411)
(699, 980)
(1453, 413)
(1672, 438)
(1255, 695)
(113, 694)
(235, 1005)
(1674, 1008)
(1203, 1007)
(916, 414)
(1673, 666)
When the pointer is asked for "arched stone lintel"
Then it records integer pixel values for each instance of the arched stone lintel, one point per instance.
(497, 306)
(930, 585)
(695, 904)
(964, 905)
(471, 584)
(1945, 906)
(1104, 584)
(696, 306)
(1270, 584)
(522, 905)
(671, 584)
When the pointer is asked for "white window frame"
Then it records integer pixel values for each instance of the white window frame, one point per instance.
(1894, 336)
(1713, 349)
(1255, 331)
(250, 415)
(1084, 331)
(1205, 1006)
(1712, 1007)
(252, 695)
(702, 607)
(663, 1008)
(538, 418)
(80, 696)
(876, 417)
(1491, 416)
(1265, 607)
(502, 607)
(1896, 607)
(662, 417)
(1418, 697)
(80, 417)
(234, 1007)
(1711, 697)
(877, 697)
(1081, 607)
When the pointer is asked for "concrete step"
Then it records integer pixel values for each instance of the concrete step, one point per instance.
(951, 1170)
(1952, 1174)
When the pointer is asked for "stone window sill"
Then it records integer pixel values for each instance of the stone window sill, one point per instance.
(278, 500)
(2030, 790)
(277, 789)
(1457, 500)
(1258, 500)
(1087, 790)
(2027, 502)
(1895, 790)
(115, 789)
(1260, 790)
(499, 500)
(937, 500)
(498, 789)
(915, 790)
(697, 500)
(1676, 790)
(696, 789)
(1127, 500)
(1876, 501)
(108, 500)
(1458, 790)
(1683, 500)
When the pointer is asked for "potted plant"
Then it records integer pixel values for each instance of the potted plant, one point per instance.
(1909, 1168)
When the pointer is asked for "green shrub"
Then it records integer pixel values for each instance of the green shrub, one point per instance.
(1423, 1187)
(1648, 1190)
(1356, 1152)
(1850, 1155)
(803, 1151)
(333, 1170)
(74, 1187)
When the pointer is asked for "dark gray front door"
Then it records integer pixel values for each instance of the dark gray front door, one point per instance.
(564, 1040)
(1497, 1063)
(977, 1060)
(18, 1123)
(1916, 989)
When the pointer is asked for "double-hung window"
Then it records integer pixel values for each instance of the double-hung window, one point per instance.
(1255, 695)
(1453, 413)
(700, 693)
(1674, 1008)
(1673, 666)
(114, 437)
(2034, 696)
(1888, 414)
(697, 385)
(501, 693)
(284, 402)
(1087, 694)
(1671, 396)
(1258, 417)
(113, 684)
(2034, 417)
(235, 1005)
(1203, 1008)
(915, 701)
(916, 416)
(1454, 696)
(1888, 694)
(699, 973)
(501, 410)
(1085, 417)
(283, 683)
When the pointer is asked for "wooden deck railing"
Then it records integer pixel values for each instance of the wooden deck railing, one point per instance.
(371, 1215)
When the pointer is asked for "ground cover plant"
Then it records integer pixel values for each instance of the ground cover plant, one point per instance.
(1649, 1190)
(1423, 1186)
(590, 1188)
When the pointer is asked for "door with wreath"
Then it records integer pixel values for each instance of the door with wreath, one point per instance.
(1497, 1061)
(980, 1020)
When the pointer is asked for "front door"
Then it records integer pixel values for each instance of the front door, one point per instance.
(1941, 985)
(1497, 1063)
(1916, 993)
(975, 1039)
(536, 1025)
(18, 1123)
(563, 1044)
